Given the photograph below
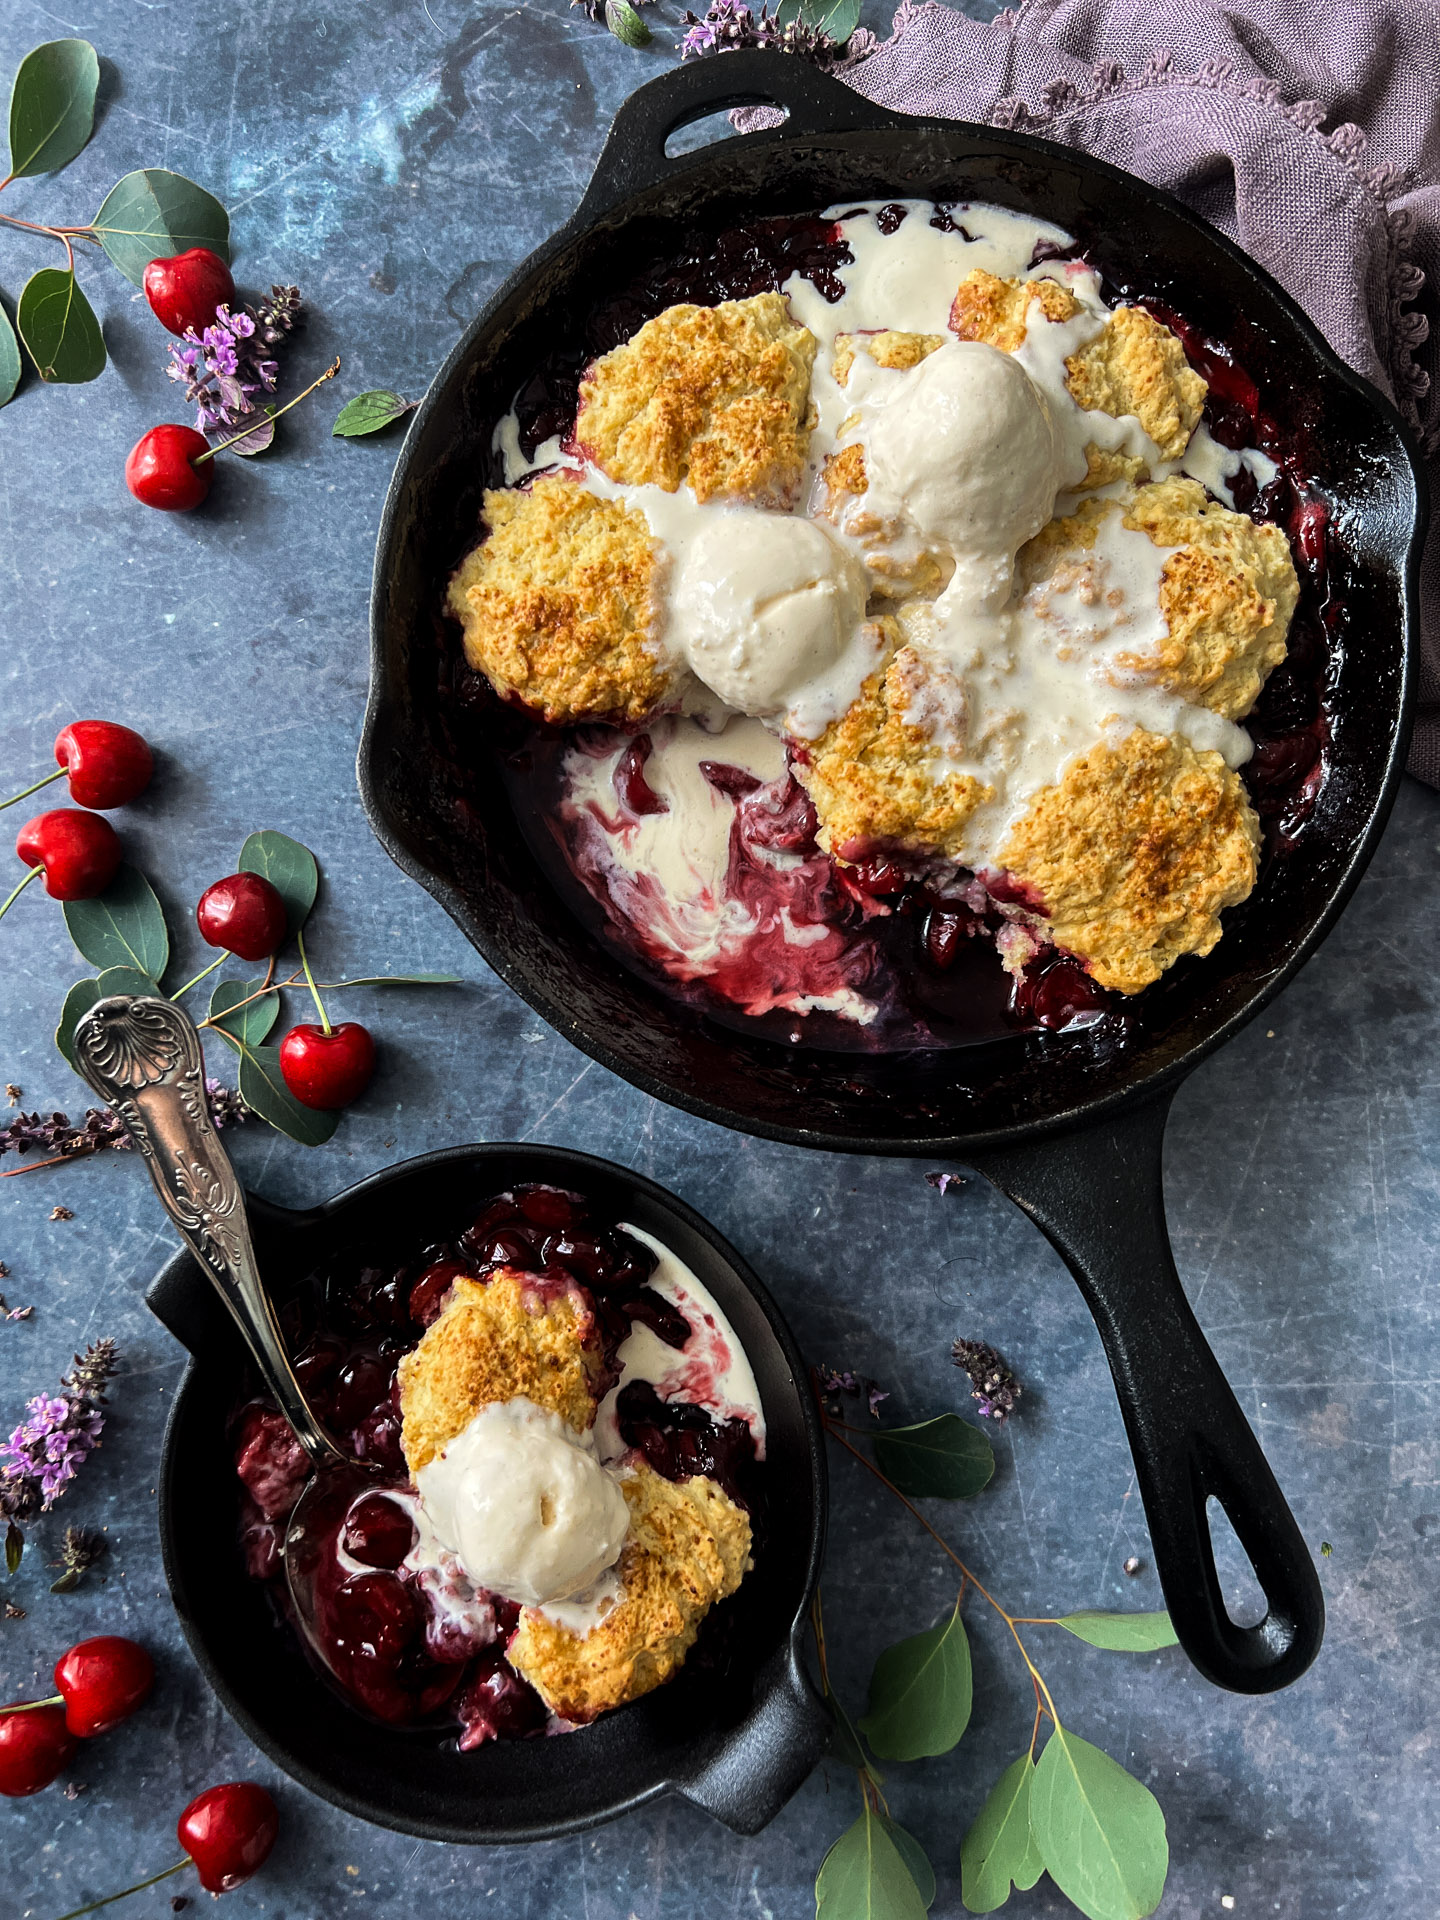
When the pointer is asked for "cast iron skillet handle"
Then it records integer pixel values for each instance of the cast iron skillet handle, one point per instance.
(1097, 1197)
(634, 156)
(142, 1056)
(757, 1769)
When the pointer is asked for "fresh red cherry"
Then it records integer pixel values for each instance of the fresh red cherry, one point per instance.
(80, 852)
(107, 764)
(244, 914)
(185, 289)
(228, 1832)
(102, 1682)
(34, 1747)
(327, 1070)
(161, 471)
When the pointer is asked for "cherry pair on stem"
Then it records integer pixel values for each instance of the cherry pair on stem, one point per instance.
(324, 1066)
(106, 765)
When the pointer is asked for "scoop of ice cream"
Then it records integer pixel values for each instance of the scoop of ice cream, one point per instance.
(523, 1502)
(964, 446)
(768, 611)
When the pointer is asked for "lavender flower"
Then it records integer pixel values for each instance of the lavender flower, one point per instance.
(730, 24)
(942, 1182)
(82, 1549)
(54, 1135)
(858, 1385)
(993, 1385)
(42, 1455)
(224, 368)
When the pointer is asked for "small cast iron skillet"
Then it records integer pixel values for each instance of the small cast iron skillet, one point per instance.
(1069, 1126)
(736, 1739)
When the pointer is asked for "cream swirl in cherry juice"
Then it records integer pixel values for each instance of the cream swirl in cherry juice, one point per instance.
(766, 933)
(410, 1638)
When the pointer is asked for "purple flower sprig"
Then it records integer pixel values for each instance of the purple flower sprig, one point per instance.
(225, 367)
(54, 1135)
(856, 1385)
(993, 1386)
(60, 1431)
(730, 24)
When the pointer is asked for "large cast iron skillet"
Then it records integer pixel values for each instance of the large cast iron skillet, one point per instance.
(736, 1736)
(1069, 1127)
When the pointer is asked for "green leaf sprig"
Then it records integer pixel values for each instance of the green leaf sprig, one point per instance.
(122, 932)
(371, 412)
(1071, 1812)
(149, 213)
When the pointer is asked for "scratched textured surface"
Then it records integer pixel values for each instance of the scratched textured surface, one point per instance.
(396, 161)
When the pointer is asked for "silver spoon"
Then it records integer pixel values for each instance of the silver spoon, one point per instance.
(142, 1056)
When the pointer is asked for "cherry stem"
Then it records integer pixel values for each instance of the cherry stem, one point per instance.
(200, 976)
(310, 982)
(125, 1892)
(29, 1706)
(15, 892)
(270, 418)
(58, 774)
(55, 1160)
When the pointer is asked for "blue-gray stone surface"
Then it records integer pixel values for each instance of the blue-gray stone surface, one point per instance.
(397, 161)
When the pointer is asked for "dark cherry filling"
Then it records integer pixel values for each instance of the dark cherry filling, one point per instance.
(397, 1653)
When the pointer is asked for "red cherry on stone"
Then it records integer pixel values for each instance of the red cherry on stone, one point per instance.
(34, 1747)
(102, 1682)
(244, 914)
(184, 289)
(228, 1832)
(107, 764)
(327, 1070)
(80, 852)
(161, 470)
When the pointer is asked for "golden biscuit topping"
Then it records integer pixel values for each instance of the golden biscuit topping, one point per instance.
(714, 397)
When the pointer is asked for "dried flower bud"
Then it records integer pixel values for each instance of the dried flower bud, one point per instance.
(992, 1384)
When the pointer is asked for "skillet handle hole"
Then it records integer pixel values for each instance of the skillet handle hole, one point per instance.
(1241, 1592)
(708, 130)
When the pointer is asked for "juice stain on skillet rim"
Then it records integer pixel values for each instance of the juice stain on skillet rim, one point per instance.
(938, 984)
(447, 821)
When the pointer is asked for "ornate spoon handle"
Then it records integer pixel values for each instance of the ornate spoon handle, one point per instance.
(142, 1056)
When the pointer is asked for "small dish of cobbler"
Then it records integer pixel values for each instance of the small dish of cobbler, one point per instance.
(889, 635)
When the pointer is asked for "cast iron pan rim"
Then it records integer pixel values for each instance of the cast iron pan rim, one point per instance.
(869, 117)
(583, 1164)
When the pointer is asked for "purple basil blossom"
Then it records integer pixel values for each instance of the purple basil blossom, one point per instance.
(942, 1182)
(993, 1386)
(857, 1385)
(59, 1433)
(54, 1135)
(729, 24)
(226, 367)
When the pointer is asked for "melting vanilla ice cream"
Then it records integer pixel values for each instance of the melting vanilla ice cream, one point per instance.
(524, 1504)
(962, 447)
(767, 610)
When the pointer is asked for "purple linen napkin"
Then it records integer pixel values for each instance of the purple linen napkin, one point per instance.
(1309, 133)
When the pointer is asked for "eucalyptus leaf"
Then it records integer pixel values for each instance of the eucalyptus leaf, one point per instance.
(59, 328)
(1122, 1632)
(864, 1877)
(290, 869)
(152, 214)
(625, 23)
(52, 106)
(838, 18)
(788, 12)
(370, 413)
(78, 1001)
(14, 1548)
(10, 362)
(122, 927)
(404, 980)
(263, 1089)
(943, 1459)
(846, 1746)
(999, 1848)
(1100, 1832)
(249, 1023)
(920, 1693)
(916, 1863)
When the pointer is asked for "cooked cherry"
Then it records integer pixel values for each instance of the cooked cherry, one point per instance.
(271, 1461)
(377, 1438)
(735, 782)
(375, 1618)
(361, 1384)
(662, 1316)
(510, 1247)
(431, 1288)
(551, 1206)
(877, 876)
(590, 1259)
(944, 931)
(498, 1705)
(1281, 763)
(633, 788)
(378, 1532)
